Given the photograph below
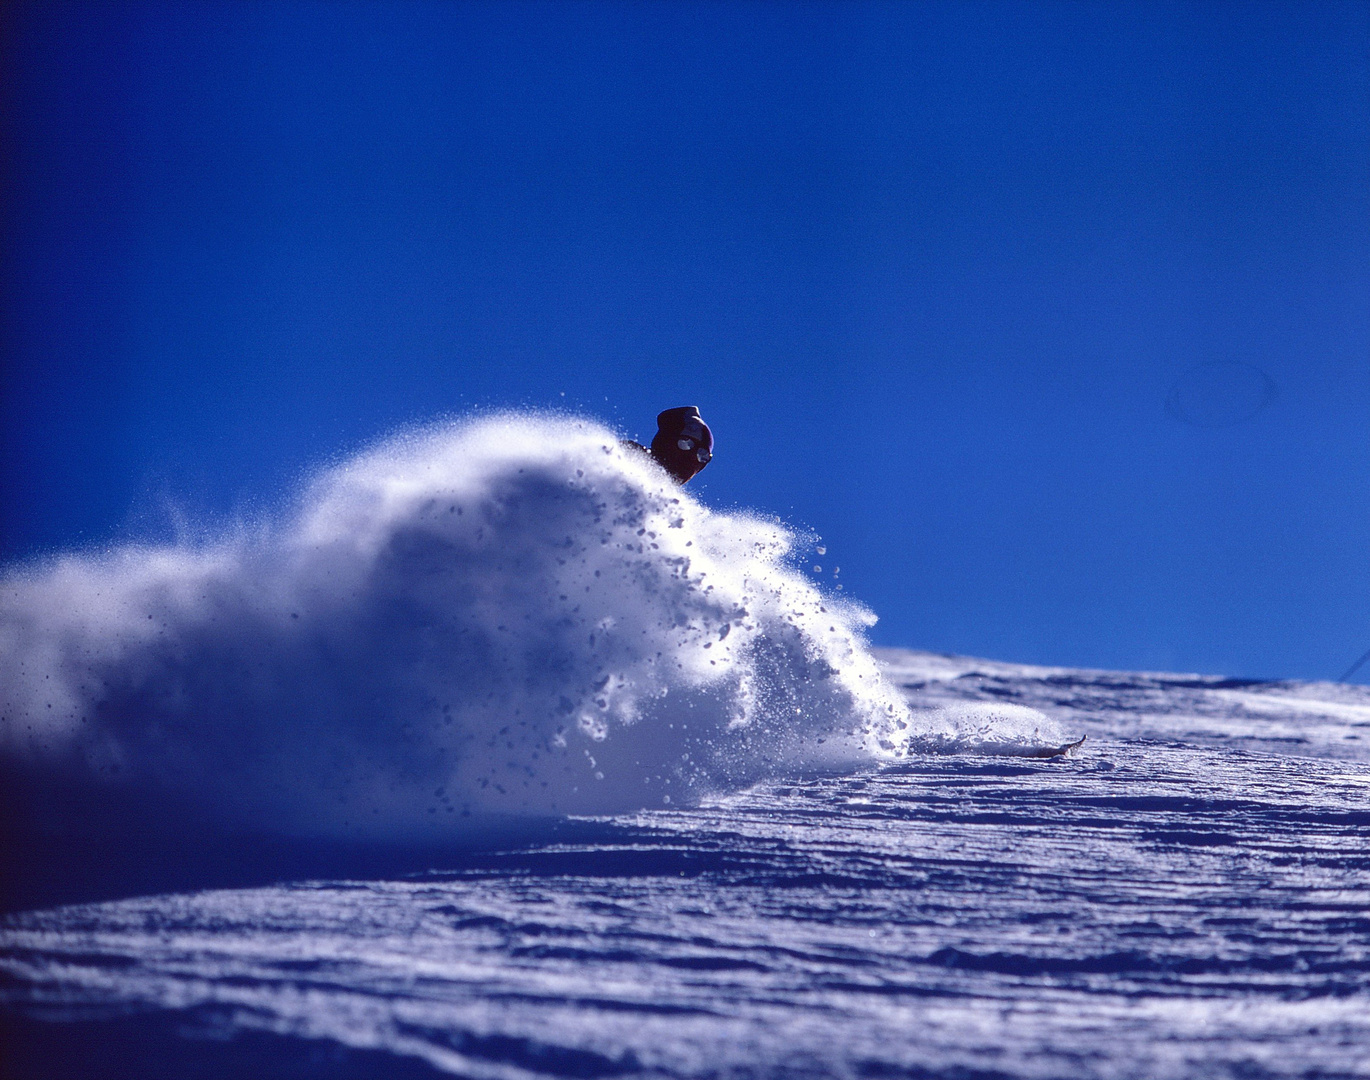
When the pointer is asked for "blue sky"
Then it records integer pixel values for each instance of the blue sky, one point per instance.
(931, 272)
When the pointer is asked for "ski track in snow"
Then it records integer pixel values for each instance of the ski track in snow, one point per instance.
(1185, 895)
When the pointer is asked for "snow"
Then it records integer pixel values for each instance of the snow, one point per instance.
(498, 755)
(1182, 896)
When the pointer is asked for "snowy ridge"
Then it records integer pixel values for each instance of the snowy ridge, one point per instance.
(1320, 719)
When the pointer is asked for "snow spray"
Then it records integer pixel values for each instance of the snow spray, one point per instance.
(513, 615)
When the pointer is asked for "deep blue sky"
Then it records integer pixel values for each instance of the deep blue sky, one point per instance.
(931, 272)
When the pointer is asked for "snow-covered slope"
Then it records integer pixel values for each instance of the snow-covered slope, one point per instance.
(1183, 896)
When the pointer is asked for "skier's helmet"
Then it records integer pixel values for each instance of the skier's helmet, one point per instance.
(683, 444)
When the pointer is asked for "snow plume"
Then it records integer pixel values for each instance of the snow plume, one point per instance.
(511, 616)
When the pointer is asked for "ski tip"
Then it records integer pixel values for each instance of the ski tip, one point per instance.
(1058, 751)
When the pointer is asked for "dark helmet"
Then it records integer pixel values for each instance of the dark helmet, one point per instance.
(683, 444)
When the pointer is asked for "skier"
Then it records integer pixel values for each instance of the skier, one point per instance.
(683, 444)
